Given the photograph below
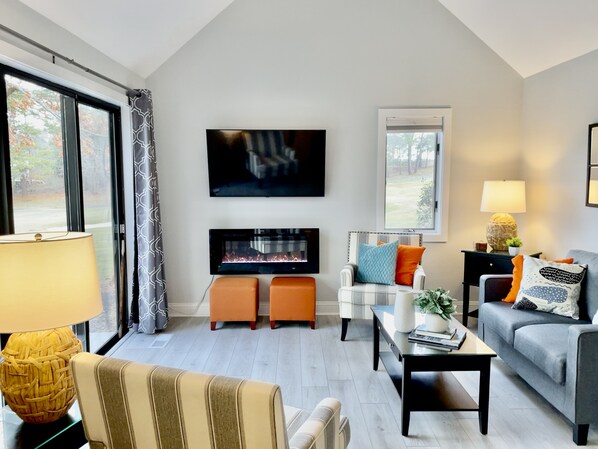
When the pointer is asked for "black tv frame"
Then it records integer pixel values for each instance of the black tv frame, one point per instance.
(229, 174)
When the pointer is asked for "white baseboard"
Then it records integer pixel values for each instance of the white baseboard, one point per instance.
(187, 309)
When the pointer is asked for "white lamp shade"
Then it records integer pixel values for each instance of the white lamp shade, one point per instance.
(48, 283)
(503, 196)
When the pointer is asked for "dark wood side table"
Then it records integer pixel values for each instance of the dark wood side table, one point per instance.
(478, 263)
(66, 433)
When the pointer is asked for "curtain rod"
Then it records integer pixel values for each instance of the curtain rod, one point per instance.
(128, 90)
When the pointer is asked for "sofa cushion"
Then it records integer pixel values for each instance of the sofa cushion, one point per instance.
(546, 346)
(550, 287)
(588, 301)
(376, 264)
(504, 321)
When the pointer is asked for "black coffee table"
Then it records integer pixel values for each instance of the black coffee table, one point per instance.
(421, 374)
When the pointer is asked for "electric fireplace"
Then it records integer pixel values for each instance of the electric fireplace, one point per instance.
(265, 251)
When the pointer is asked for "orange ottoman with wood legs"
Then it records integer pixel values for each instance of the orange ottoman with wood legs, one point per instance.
(293, 299)
(234, 299)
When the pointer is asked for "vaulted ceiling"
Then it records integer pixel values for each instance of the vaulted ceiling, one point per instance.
(530, 35)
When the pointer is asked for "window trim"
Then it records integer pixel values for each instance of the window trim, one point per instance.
(440, 231)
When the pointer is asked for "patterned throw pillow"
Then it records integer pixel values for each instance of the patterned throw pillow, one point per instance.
(550, 287)
(518, 272)
(377, 264)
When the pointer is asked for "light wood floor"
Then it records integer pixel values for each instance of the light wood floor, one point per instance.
(312, 364)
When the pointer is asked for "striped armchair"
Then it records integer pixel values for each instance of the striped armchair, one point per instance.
(133, 405)
(268, 155)
(355, 298)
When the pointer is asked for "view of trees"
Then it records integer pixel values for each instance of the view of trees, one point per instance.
(410, 165)
(407, 152)
(36, 140)
(35, 137)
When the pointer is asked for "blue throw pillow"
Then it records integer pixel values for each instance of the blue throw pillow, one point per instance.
(377, 264)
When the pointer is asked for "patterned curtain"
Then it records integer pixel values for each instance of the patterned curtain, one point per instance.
(149, 308)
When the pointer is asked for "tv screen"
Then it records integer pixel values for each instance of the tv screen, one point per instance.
(266, 162)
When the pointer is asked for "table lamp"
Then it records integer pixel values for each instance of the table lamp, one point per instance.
(48, 282)
(503, 198)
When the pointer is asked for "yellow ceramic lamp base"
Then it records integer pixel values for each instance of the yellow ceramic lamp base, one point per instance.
(35, 377)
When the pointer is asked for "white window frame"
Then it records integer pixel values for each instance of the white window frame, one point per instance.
(440, 231)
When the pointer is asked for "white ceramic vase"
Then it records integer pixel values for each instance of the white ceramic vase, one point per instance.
(514, 250)
(435, 323)
(404, 312)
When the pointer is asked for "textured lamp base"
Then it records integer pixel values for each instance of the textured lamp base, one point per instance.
(35, 377)
(501, 227)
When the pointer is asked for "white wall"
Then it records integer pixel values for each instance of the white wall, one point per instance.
(558, 106)
(332, 64)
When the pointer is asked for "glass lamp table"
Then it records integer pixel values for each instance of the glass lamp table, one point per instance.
(66, 433)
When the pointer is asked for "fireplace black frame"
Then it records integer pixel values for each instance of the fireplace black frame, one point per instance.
(310, 235)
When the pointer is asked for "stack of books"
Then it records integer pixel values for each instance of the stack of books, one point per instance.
(451, 339)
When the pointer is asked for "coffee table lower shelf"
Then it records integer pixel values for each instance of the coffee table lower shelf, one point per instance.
(433, 391)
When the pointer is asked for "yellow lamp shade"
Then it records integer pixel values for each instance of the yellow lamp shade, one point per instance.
(47, 283)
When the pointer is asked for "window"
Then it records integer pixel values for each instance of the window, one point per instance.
(413, 171)
(60, 170)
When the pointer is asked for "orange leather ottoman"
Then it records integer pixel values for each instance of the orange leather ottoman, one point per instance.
(234, 299)
(293, 299)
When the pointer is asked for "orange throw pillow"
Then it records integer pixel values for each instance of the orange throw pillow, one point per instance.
(518, 273)
(408, 258)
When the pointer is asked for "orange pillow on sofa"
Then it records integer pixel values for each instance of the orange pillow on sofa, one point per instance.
(408, 258)
(518, 273)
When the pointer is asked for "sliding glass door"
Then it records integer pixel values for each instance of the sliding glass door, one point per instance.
(60, 171)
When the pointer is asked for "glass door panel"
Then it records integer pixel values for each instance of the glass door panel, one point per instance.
(96, 168)
(36, 156)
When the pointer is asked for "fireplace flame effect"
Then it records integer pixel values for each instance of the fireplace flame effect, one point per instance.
(261, 258)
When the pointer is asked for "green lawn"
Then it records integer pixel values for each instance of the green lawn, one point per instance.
(402, 195)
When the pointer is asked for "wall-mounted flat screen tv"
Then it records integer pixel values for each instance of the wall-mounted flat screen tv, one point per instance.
(266, 162)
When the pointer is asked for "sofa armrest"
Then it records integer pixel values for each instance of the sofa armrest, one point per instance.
(494, 287)
(348, 275)
(581, 404)
(321, 430)
(419, 278)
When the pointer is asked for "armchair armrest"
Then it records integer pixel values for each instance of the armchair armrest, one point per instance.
(494, 287)
(419, 278)
(581, 403)
(348, 275)
(321, 430)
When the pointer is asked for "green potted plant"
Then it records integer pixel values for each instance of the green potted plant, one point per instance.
(514, 243)
(438, 306)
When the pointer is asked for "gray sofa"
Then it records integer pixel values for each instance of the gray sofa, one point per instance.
(556, 355)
